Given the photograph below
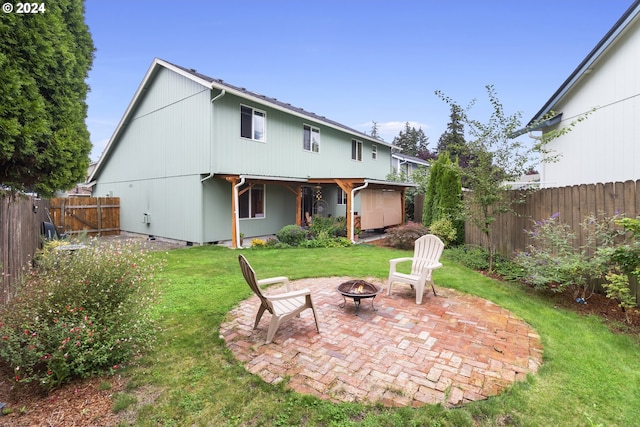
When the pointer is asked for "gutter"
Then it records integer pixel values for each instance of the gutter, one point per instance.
(353, 192)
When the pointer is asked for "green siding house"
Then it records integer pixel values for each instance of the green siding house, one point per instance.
(199, 160)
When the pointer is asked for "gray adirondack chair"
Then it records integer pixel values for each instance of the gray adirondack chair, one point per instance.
(281, 306)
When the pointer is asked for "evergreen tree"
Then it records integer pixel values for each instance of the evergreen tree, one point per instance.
(452, 140)
(443, 194)
(374, 130)
(412, 142)
(432, 194)
(450, 189)
(44, 61)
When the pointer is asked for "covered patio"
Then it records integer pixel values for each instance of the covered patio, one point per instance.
(451, 349)
(393, 207)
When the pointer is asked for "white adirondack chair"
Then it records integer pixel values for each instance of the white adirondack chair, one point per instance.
(426, 256)
(281, 306)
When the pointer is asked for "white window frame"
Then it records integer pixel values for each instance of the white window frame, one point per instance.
(256, 115)
(356, 150)
(374, 151)
(314, 146)
(342, 197)
(249, 208)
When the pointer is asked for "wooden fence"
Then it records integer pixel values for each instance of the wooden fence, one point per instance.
(95, 216)
(21, 219)
(572, 205)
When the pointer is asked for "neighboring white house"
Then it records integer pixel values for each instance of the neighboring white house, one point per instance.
(606, 146)
(405, 165)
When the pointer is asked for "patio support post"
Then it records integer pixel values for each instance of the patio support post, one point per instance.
(297, 190)
(347, 186)
(235, 185)
(403, 207)
(298, 205)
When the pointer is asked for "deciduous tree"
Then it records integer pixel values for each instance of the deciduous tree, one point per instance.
(494, 159)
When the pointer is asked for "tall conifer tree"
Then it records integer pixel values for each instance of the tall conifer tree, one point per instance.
(45, 58)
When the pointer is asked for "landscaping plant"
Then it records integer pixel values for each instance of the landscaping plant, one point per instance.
(80, 313)
(323, 232)
(625, 264)
(292, 235)
(553, 261)
(444, 229)
(403, 236)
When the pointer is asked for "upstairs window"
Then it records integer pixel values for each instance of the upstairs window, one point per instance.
(311, 139)
(251, 202)
(252, 123)
(356, 150)
(374, 151)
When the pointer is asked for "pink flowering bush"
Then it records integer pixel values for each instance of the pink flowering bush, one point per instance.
(80, 313)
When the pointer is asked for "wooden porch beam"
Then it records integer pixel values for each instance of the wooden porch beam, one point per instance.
(297, 190)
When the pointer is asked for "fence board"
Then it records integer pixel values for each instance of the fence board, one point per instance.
(21, 219)
(629, 197)
(95, 216)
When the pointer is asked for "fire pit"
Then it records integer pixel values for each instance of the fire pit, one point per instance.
(358, 290)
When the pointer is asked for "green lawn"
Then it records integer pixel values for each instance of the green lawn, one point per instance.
(590, 376)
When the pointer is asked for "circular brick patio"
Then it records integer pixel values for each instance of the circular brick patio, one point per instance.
(451, 349)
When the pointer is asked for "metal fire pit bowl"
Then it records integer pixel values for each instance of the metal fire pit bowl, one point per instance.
(358, 290)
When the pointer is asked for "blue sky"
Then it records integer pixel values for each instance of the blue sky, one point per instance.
(353, 61)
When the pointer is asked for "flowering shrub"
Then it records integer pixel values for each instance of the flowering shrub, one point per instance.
(258, 243)
(80, 313)
(403, 236)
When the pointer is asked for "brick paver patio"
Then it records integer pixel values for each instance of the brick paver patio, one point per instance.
(451, 349)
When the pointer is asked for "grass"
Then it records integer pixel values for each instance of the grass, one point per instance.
(590, 376)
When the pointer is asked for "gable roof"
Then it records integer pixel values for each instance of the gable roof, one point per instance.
(219, 84)
(627, 19)
(412, 159)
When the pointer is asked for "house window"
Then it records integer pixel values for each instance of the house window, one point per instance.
(374, 151)
(252, 123)
(356, 150)
(311, 139)
(342, 197)
(251, 202)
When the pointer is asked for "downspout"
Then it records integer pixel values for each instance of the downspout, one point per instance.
(202, 180)
(236, 214)
(215, 98)
(353, 192)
